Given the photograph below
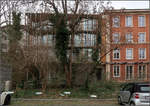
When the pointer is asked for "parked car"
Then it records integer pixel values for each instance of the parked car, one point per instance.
(5, 96)
(135, 94)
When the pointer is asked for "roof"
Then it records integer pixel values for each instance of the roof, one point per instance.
(36, 17)
(136, 11)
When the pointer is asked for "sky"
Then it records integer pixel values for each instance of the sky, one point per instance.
(117, 4)
(130, 4)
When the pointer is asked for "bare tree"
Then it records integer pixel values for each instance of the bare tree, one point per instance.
(74, 12)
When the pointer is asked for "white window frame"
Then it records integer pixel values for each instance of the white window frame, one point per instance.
(114, 25)
(144, 21)
(127, 53)
(145, 72)
(126, 24)
(132, 72)
(114, 54)
(144, 53)
(129, 40)
(139, 41)
(115, 38)
(116, 70)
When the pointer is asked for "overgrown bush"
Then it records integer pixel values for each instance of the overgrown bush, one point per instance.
(28, 93)
(103, 89)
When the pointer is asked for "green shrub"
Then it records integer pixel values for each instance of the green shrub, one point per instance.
(21, 93)
(103, 89)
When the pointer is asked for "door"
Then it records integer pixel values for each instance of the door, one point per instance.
(99, 74)
(126, 92)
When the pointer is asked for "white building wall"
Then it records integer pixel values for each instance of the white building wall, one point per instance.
(108, 49)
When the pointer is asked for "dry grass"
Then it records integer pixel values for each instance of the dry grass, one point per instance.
(64, 103)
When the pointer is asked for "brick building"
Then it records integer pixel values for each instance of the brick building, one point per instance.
(130, 35)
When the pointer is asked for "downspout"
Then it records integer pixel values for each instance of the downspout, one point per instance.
(0, 44)
(149, 44)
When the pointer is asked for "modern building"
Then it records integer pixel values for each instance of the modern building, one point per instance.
(130, 36)
(5, 69)
(41, 35)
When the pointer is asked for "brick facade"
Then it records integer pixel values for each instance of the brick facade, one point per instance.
(137, 67)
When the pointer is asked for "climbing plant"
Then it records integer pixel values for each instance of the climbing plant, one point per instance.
(96, 51)
(61, 37)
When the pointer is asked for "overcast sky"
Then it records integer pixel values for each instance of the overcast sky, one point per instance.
(133, 4)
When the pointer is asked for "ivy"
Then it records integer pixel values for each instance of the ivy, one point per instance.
(61, 37)
(14, 30)
(96, 51)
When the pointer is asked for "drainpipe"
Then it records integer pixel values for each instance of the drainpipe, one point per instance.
(0, 42)
(149, 43)
(149, 47)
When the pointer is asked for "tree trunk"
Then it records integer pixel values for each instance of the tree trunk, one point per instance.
(70, 58)
(68, 80)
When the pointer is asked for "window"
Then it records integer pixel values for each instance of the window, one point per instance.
(4, 47)
(116, 37)
(116, 22)
(50, 39)
(142, 53)
(44, 39)
(77, 40)
(142, 72)
(129, 72)
(128, 21)
(129, 38)
(128, 87)
(87, 53)
(76, 54)
(89, 24)
(129, 53)
(141, 21)
(116, 54)
(144, 88)
(116, 69)
(4, 37)
(89, 39)
(141, 37)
